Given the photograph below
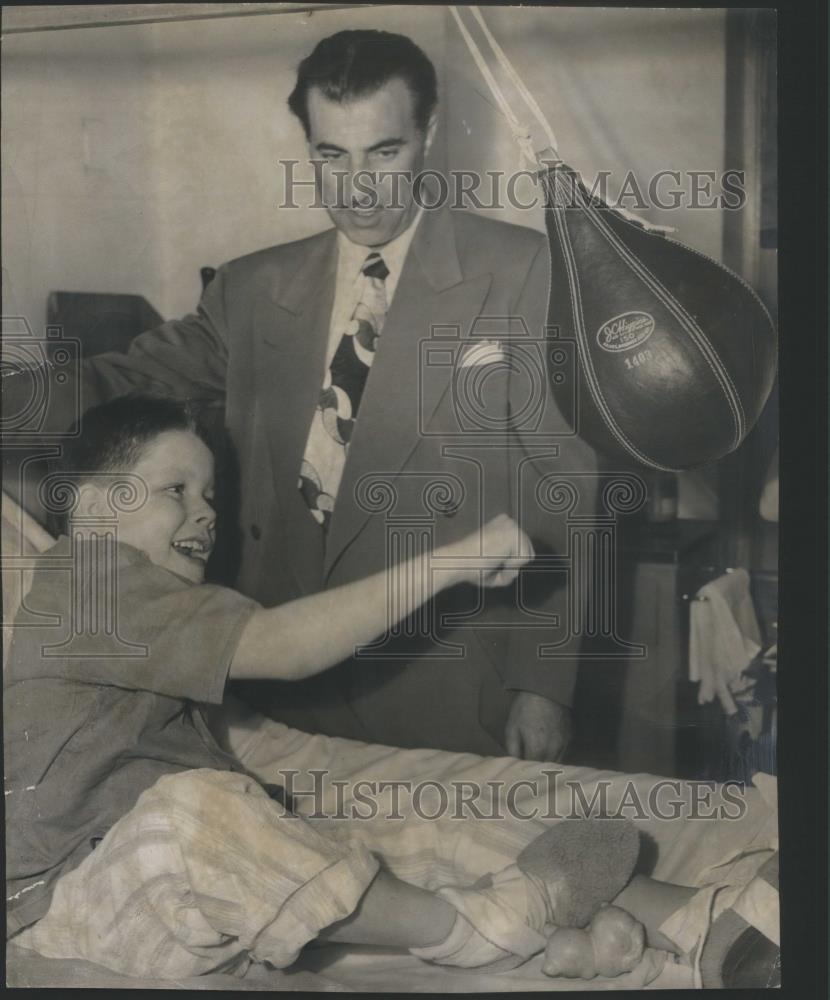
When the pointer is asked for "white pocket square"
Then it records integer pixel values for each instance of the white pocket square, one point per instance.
(482, 352)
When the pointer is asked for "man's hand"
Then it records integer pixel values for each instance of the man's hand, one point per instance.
(537, 728)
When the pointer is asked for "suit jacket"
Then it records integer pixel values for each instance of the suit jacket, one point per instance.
(450, 434)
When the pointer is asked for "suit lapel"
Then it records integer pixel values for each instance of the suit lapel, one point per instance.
(292, 325)
(401, 393)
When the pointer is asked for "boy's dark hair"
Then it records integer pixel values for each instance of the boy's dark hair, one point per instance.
(111, 436)
(358, 62)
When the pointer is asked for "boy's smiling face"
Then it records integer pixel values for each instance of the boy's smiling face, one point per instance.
(174, 528)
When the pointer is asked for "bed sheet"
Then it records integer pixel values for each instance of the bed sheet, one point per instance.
(376, 970)
(685, 850)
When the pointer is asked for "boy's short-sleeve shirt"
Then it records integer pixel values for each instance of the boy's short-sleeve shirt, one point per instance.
(111, 658)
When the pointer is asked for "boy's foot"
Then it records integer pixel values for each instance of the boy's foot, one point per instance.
(561, 878)
(580, 865)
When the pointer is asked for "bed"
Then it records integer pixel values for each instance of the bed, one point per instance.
(690, 851)
(685, 850)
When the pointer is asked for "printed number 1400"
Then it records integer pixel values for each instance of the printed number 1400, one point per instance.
(637, 359)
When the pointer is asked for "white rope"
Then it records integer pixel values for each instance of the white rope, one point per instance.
(520, 132)
(650, 227)
(517, 81)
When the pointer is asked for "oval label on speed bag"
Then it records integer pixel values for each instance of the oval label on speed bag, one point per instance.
(625, 331)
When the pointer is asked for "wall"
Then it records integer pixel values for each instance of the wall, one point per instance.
(625, 90)
(134, 155)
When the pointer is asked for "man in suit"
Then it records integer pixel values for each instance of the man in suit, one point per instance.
(346, 366)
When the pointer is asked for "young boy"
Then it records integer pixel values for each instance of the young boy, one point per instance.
(134, 841)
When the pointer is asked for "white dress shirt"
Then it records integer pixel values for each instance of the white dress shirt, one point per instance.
(350, 279)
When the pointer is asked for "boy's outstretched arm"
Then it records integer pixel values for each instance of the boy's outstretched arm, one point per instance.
(311, 634)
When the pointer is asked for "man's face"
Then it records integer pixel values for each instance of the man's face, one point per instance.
(361, 139)
(175, 526)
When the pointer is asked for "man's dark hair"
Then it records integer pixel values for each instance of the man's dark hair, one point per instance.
(356, 63)
(111, 436)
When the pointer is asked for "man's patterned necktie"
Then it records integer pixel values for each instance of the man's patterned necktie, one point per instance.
(337, 406)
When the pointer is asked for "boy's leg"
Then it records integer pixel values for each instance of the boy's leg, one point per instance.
(508, 892)
(394, 914)
(450, 853)
(204, 873)
(437, 854)
(653, 903)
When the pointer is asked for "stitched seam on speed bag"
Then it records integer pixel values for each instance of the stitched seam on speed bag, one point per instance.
(699, 338)
(705, 256)
(671, 303)
(585, 354)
